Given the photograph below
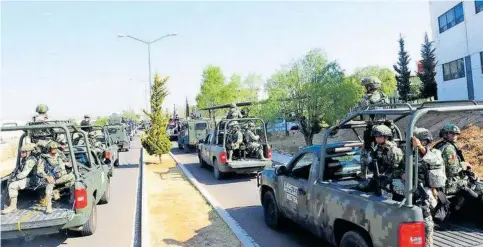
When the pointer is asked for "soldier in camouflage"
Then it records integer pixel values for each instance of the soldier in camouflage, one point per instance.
(51, 167)
(373, 95)
(41, 113)
(385, 160)
(234, 112)
(20, 180)
(253, 141)
(234, 140)
(461, 181)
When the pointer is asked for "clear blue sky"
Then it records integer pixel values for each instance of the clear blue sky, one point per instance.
(68, 56)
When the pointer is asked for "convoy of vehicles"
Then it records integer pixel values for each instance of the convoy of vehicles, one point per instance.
(212, 151)
(324, 200)
(76, 209)
(192, 131)
(111, 152)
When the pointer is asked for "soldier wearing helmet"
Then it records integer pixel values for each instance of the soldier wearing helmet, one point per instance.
(253, 141)
(51, 167)
(373, 95)
(41, 113)
(234, 139)
(233, 112)
(19, 179)
(384, 161)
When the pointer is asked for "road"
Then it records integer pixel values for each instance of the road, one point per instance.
(239, 196)
(115, 220)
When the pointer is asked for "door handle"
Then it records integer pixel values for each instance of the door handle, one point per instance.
(301, 191)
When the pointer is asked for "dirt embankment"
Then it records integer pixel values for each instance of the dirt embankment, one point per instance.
(178, 213)
(470, 140)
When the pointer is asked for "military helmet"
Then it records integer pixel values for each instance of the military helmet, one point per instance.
(381, 130)
(41, 109)
(52, 145)
(87, 116)
(449, 128)
(233, 123)
(27, 147)
(61, 140)
(233, 105)
(423, 134)
(251, 125)
(371, 81)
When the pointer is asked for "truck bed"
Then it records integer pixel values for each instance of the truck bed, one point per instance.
(31, 215)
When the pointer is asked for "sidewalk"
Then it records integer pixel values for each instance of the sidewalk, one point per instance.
(178, 214)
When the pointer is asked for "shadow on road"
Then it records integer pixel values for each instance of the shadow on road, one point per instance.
(205, 175)
(251, 219)
(128, 166)
(53, 240)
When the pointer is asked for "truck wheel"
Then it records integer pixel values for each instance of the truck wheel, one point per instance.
(107, 194)
(353, 239)
(201, 161)
(116, 163)
(90, 226)
(271, 213)
(216, 171)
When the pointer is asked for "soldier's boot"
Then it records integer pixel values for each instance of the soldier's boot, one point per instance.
(260, 152)
(12, 207)
(48, 204)
(230, 155)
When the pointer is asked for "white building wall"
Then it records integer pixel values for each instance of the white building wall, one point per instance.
(466, 38)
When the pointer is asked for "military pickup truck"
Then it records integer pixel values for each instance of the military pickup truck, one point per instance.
(118, 135)
(192, 131)
(76, 209)
(309, 192)
(212, 151)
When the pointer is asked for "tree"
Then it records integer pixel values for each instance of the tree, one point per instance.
(212, 88)
(403, 72)
(313, 90)
(429, 87)
(386, 76)
(415, 88)
(101, 121)
(130, 115)
(156, 141)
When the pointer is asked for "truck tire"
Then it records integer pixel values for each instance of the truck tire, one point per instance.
(353, 238)
(90, 226)
(273, 217)
(216, 171)
(107, 194)
(116, 163)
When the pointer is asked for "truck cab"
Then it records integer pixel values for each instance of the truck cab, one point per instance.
(317, 189)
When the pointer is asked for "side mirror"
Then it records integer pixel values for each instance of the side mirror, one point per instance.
(281, 170)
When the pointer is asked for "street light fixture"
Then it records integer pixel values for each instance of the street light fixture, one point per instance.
(149, 53)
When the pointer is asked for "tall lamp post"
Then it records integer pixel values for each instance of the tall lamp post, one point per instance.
(149, 55)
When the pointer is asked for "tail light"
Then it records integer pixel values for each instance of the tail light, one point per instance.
(223, 157)
(269, 155)
(412, 234)
(80, 198)
(107, 155)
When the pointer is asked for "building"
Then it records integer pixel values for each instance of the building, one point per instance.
(458, 34)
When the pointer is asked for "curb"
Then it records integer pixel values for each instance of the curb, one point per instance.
(145, 236)
(241, 234)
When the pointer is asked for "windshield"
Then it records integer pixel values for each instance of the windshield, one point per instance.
(112, 131)
(200, 126)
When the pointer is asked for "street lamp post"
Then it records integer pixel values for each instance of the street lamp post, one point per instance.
(149, 55)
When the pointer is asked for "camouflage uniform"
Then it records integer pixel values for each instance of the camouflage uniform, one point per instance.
(41, 113)
(387, 157)
(234, 112)
(234, 140)
(252, 141)
(53, 166)
(373, 96)
(20, 181)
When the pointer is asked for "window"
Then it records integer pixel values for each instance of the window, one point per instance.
(453, 70)
(303, 161)
(478, 6)
(451, 18)
(200, 126)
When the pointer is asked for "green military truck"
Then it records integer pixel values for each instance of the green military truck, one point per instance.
(309, 192)
(118, 132)
(76, 209)
(192, 131)
(212, 151)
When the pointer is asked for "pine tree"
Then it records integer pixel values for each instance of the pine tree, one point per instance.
(403, 72)
(429, 87)
(156, 141)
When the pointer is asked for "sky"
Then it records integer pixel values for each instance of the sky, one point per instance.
(68, 54)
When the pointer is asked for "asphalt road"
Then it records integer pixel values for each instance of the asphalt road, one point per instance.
(239, 196)
(115, 220)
